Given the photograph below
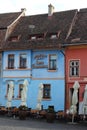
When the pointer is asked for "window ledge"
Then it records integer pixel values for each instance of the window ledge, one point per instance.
(52, 70)
(74, 76)
(46, 99)
(7, 96)
(23, 68)
(10, 68)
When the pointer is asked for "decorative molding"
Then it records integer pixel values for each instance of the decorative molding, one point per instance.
(17, 77)
(37, 67)
(18, 69)
(39, 61)
(60, 78)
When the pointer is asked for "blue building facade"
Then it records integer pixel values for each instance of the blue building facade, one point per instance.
(42, 66)
(34, 51)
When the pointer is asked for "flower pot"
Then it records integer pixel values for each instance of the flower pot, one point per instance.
(50, 117)
(22, 114)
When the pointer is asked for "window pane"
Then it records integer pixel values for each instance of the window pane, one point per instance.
(20, 89)
(8, 90)
(74, 68)
(23, 61)
(52, 62)
(53, 57)
(11, 61)
(46, 91)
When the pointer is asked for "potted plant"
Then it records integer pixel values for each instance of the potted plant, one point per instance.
(23, 112)
(50, 116)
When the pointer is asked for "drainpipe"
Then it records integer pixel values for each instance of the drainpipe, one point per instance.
(65, 78)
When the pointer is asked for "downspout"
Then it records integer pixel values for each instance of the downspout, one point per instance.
(64, 78)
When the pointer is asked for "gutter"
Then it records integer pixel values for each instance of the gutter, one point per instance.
(74, 44)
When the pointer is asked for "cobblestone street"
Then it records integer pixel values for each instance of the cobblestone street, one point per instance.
(34, 124)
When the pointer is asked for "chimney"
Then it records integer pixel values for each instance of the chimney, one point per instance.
(23, 11)
(50, 10)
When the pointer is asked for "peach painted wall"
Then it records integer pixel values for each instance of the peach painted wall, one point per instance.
(76, 53)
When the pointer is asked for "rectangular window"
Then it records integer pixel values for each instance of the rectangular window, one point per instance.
(23, 60)
(10, 61)
(70, 95)
(46, 91)
(74, 68)
(53, 62)
(8, 91)
(20, 89)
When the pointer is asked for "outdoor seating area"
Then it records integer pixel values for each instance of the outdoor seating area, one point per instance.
(39, 114)
(3, 110)
(14, 112)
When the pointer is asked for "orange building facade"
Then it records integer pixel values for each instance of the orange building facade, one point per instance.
(75, 70)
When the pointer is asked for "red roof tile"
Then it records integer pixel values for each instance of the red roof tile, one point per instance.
(79, 31)
(6, 19)
(41, 24)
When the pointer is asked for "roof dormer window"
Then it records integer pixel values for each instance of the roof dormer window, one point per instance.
(36, 37)
(75, 40)
(40, 37)
(33, 38)
(53, 36)
(14, 38)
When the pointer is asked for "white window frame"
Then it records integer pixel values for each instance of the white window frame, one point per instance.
(74, 68)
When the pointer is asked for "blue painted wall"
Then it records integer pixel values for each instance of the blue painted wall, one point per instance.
(37, 72)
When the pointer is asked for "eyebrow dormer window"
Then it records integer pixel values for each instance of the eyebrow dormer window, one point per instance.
(33, 37)
(53, 36)
(36, 37)
(40, 37)
(14, 38)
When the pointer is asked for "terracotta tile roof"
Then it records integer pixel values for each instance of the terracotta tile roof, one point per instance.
(41, 44)
(79, 31)
(2, 35)
(34, 25)
(7, 18)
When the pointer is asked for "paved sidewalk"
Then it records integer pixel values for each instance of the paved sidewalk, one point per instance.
(33, 124)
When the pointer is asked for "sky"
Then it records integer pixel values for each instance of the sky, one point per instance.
(40, 6)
